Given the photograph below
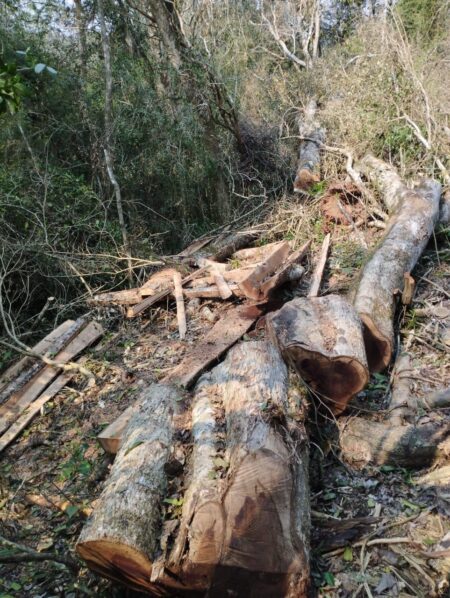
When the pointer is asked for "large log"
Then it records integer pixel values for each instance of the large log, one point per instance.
(121, 538)
(414, 216)
(322, 338)
(244, 526)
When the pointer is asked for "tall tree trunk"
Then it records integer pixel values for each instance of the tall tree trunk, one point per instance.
(108, 144)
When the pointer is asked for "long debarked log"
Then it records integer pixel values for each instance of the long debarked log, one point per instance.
(322, 338)
(415, 213)
(244, 527)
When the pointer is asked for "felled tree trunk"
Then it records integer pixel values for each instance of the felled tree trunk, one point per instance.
(414, 215)
(122, 537)
(244, 525)
(400, 439)
(309, 155)
(322, 338)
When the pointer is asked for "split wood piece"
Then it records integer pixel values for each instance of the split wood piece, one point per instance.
(55, 502)
(110, 437)
(290, 271)
(42, 347)
(319, 269)
(408, 288)
(181, 313)
(415, 213)
(322, 338)
(126, 297)
(135, 310)
(309, 155)
(11, 410)
(211, 292)
(54, 342)
(121, 539)
(163, 279)
(246, 533)
(251, 285)
(30, 412)
(224, 334)
(224, 289)
(365, 442)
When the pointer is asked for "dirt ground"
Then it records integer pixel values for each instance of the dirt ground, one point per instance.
(53, 474)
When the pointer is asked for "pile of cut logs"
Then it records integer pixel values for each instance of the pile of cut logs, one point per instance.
(209, 492)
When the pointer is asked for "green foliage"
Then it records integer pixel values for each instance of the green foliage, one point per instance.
(424, 20)
(12, 88)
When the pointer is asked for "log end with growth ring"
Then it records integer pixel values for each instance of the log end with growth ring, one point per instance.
(322, 338)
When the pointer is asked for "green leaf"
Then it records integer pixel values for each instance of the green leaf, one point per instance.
(348, 554)
(329, 578)
(71, 510)
(387, 468)
(15, 586)
(176, 502)
(39, 68)
(371, 503)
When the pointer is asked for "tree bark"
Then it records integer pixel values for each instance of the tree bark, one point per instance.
(121, 539)
(313, 137)
(322, 338)
(108, 135)
(415, 213)
(244, 526)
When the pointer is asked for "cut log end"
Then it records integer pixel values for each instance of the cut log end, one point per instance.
(378, 347)
(334, 379)
(117, 561)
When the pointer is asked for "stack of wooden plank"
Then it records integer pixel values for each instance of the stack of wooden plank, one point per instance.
(30, 383)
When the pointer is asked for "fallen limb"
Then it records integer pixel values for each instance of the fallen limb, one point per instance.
(414, 215)
(24, 553)
(312, 136)
(181, 313)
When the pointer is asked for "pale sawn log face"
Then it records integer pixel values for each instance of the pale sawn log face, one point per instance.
(322, 338)
(398, 252)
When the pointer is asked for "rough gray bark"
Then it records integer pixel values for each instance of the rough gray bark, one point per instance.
(247, 531)
(309, 155)
(415, 213)
(121, 539)
(364, 442)
(244, 527)
(322, 338)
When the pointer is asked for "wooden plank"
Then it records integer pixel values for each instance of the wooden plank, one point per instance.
(224, 289)
(251, 285)
(224, 334)
(318, 272)
(17, 384)
(282, 274)
(135, 310)
(111, 437)
(158, 282)
(181, 312)
(125, 297)
(11, 410)
(41, 348)
(25, 418)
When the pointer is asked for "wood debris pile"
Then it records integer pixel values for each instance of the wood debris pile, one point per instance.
(209, 491)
